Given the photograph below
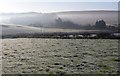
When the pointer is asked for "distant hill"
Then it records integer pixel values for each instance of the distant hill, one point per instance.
(76, 18)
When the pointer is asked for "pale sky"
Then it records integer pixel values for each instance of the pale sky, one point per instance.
(46, 6)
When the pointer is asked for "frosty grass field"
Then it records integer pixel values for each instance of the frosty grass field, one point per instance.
(51, 56)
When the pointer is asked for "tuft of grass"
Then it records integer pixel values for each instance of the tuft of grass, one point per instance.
(50, 74)
(116, 59)
(105, 67)
(96, 72)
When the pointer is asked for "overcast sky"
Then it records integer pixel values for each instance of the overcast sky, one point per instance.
(46, 6)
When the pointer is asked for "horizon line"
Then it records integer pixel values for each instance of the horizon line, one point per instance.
(63, 11)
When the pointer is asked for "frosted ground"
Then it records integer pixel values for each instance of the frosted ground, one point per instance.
(51, 56)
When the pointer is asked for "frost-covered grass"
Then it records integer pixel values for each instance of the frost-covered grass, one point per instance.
(49, 56)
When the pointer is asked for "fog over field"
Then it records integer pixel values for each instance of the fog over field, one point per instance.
(90, 17)
(66, 21)
(33, 22)
(11, 29)
(48, 19)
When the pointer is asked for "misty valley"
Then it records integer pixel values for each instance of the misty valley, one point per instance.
(73, 24)
(68, 42)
